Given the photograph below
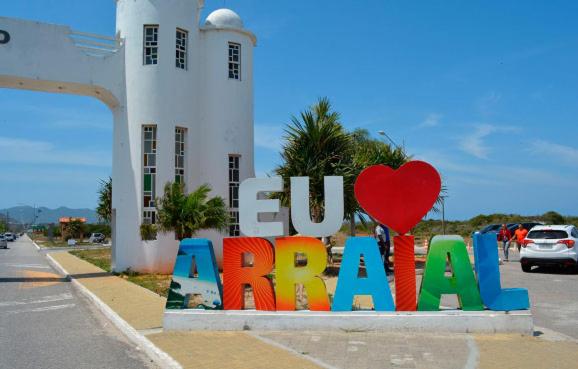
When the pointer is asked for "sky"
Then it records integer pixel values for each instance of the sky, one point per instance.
(486, 91)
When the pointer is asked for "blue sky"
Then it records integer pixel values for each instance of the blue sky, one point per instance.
(487, 91)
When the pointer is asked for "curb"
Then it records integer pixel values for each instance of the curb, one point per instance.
(154, 353)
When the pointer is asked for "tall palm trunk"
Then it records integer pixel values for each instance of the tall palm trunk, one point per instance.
(352, 229)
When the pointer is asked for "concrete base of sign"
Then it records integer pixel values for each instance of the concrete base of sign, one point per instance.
(455, 321)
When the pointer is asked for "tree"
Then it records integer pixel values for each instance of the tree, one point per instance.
(104, 209)
(73, 229)
(186, 214)
(316, 145)
(553, 217)
(367, 152)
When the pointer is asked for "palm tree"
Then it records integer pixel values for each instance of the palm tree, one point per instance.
(186, 214)
(316, 146)
(104, 209)
(368, 152)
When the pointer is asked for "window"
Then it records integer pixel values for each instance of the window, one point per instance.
(180, 134)
(151, 45)
(182, 40)
(234, 180)
(234, 228)
(234, 61)
(149, 173)
(547, 234)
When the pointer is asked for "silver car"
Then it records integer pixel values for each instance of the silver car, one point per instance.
(3, 242)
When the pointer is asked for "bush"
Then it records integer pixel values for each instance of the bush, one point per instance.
(148, 232)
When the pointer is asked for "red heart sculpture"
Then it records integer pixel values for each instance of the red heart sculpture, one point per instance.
(399, 198)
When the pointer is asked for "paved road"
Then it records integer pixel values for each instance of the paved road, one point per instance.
(45, 324)
(554, 299)
(553, 295)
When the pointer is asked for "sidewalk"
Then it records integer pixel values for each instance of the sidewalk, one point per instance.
(143, 310)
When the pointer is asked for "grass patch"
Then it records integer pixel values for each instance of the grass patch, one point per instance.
(99, 257)
(158, 283)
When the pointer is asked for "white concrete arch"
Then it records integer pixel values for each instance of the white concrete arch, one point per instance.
(201, 97)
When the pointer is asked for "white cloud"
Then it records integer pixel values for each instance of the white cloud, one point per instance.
(555, 151)
(432, 120)
(15, 150)
(269, 137)
(475, 144)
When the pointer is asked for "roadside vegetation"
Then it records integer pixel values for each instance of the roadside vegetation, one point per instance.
(157, 283)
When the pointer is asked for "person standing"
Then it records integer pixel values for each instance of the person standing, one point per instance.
(520, 235)
(384, 242)
(504, 236)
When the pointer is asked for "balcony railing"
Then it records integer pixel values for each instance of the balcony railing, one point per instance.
(95, 45)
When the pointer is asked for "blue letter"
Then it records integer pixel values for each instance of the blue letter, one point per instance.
(350, 285)
(493, 296)
(205, 290)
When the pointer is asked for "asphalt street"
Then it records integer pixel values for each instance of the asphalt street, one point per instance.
(553, 295)
(45, 323)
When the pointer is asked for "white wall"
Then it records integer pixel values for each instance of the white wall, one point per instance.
(226, 115)
(165, 96)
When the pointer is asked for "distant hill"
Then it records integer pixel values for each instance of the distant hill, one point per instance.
(25, 214)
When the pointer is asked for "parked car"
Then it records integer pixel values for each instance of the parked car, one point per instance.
(495, 228)
(3, 242)
(97, 238)
(9, 237)
(527, 225)
(550, 245)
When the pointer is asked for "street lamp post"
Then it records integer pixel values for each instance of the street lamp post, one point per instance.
(382, 133)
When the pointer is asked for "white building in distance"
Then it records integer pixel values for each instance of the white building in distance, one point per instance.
(181, 94)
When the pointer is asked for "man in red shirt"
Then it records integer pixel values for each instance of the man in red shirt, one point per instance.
(520, 235)
(504, 236)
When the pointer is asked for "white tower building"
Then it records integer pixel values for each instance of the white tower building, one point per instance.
(181, 94)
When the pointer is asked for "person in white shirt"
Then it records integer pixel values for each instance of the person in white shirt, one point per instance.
(384, 242)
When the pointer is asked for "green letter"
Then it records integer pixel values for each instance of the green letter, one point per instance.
(462, 282)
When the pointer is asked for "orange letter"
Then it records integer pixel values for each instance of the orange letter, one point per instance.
(236, 276)
(289, 275)
(404, 273)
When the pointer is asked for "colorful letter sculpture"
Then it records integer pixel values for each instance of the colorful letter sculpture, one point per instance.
(404, 273)
(289, 275)
(236, 275)
(461, 283)
(349, 284)
(203, 291)
(488, 271)
(398, 198)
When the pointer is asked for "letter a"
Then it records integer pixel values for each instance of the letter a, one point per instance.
(349, 284)
(205, 289)
(461, 283)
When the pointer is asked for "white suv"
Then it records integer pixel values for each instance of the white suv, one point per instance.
(550, 245)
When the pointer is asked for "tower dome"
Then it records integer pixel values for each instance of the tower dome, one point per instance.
(224, 18)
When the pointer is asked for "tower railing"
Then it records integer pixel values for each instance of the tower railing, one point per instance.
(95, 45)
